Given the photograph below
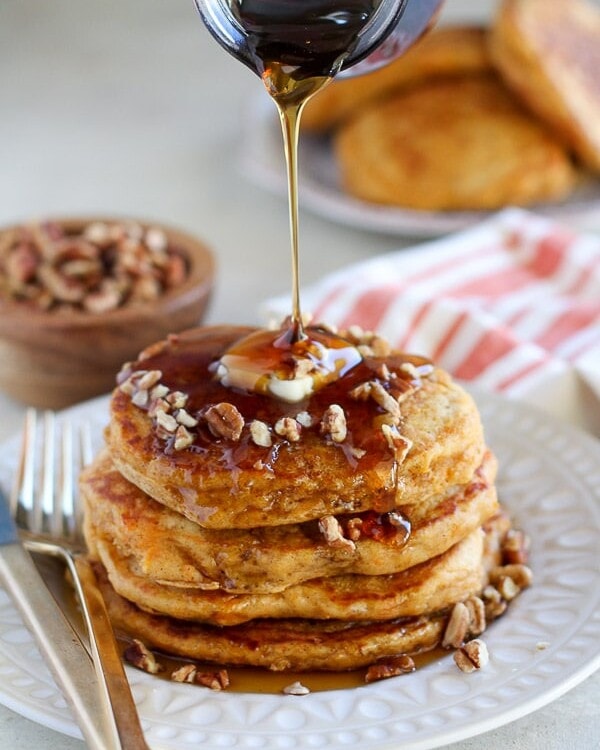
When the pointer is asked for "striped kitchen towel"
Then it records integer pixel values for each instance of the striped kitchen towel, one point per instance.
(512, 304)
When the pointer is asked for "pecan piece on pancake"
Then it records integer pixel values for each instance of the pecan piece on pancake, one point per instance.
(224, 421)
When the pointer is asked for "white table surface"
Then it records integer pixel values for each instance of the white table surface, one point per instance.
(112, 107)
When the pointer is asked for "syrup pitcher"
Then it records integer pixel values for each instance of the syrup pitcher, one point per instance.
(297, 47)
(325, 37)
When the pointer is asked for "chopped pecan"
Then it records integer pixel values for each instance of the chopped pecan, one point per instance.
(288, 428)
(330, 527)
(185, 418)
(381, 347)
(157, 404)
(140, 398)
(185, 673)
(515, 547)
(520, 574)
(149, 379)
(296, 688)
(224, 421)
(98, 233)
(183, 438)
(495, 605)
(138, 655)
(333, 423)
(108, 297)
(383, 372)
(384, 398)
(507, 588)
(472, 656)
(398, 443)
(260, 433)
(361, 392)
(177, 399)
(457, 627)
(21, 266)
(410, 370)
(304, 418)
(62, 288)
(166, 421)
(100, 268)
(354, 529)
(357, 335)
(218, 680)
(156, 240)
(159, 392)
(392, 667)
(176, 270)
(477, 621)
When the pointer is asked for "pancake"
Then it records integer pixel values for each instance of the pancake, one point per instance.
(219, 482)
(429, 586)
(549, 53)
(290, 644)
(455, 144)
(163, 546)
(444, 51)
(298, 645)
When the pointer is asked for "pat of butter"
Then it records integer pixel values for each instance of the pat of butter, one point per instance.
(239, 372)
(291, 390)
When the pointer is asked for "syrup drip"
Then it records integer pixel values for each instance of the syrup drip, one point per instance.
(297, 48)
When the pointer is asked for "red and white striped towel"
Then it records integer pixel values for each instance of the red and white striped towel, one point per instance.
(512, 304)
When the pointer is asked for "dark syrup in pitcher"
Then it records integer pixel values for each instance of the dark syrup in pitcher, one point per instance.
(312, 36)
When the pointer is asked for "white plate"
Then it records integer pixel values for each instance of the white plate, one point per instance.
(319, 187)
(549, 481)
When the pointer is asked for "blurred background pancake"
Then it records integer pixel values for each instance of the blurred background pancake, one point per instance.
(549, 54)
(456, 144)
(473, 118)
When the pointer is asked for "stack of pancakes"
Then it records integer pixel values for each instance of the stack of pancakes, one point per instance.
(237, 528)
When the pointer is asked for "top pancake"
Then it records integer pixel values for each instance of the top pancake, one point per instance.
(549, 53)
(224, 483)
(443, 52)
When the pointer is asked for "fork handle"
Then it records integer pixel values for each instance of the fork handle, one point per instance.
(106, 653)
(114, 686)
(58, 642)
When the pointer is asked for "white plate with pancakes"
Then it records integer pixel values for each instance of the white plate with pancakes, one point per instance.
(546, 643)
(319, 190)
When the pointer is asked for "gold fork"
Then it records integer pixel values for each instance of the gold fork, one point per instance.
(50, 521)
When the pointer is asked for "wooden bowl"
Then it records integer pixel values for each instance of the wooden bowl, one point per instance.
(52, 360)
